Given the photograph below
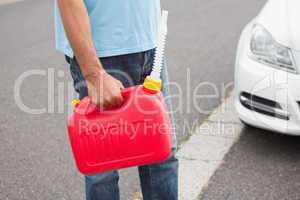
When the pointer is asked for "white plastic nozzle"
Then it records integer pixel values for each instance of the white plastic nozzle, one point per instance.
(160, 49)
(164, 22)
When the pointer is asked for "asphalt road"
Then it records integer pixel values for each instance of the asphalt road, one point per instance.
(262, 166)
(35, 159)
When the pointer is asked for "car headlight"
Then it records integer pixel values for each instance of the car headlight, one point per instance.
(266, 50)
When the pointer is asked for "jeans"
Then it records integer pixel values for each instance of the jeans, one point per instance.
(158, 181)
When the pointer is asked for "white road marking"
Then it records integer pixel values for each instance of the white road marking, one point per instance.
(203, 153)
(3, 2)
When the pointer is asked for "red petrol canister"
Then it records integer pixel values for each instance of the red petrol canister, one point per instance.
(137, 133)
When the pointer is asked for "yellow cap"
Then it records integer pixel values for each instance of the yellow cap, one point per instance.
(152, 84)
(75, 102)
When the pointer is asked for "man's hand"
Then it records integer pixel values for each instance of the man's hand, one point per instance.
(104, 90)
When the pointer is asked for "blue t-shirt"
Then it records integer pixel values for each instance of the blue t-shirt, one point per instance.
(118, 26)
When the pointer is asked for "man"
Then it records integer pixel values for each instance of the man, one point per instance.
(110, 45)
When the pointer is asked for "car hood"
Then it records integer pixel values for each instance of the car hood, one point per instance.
(282, 19)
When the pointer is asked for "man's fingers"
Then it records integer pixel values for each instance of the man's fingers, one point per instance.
(96, 100)
(108, 93)
(120, 85)
(115, 101)
(118, 100)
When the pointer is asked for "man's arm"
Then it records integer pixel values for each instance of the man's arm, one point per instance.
(102, 88)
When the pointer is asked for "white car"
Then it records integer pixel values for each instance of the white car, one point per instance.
(267, 79)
